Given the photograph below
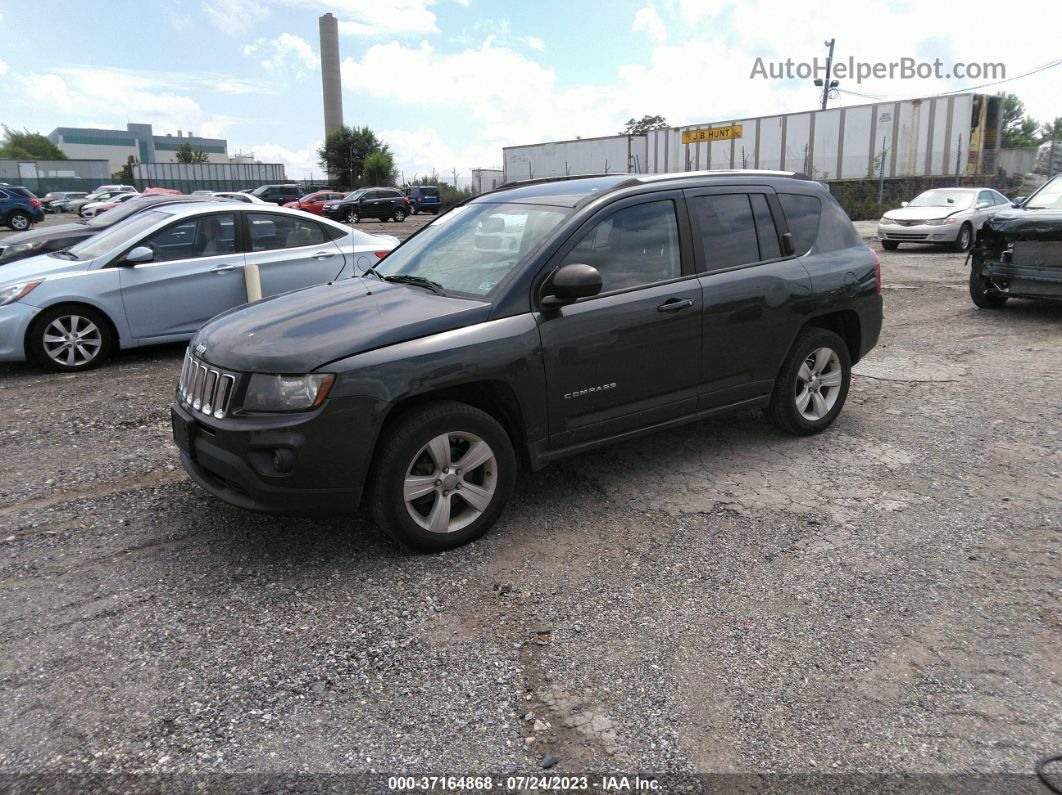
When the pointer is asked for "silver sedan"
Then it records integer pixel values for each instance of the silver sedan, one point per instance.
(947, 216)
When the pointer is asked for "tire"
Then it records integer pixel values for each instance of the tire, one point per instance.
(46, 345)
(979, 294)
(405, 457)
(399, 215)
(802, 408)
(889, 245)
(18, 221)
(964, 240)
(352, 217)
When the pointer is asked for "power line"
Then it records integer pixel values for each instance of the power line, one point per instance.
(1042, 68)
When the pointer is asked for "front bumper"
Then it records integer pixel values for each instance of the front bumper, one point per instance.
(1023, 281)
(15, 321)
(235, 458)
(922, 233)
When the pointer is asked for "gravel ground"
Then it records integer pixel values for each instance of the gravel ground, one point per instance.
(718, 598)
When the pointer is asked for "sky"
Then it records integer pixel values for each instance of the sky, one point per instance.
(448, 83)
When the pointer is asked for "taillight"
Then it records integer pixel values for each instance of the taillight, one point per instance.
(381, 254)
(35, 202)
(877, 271)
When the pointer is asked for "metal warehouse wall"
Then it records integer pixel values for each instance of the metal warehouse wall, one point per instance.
(216, 176)
(581, 156)
(955, 135)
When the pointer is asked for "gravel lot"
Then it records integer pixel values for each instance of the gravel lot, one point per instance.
(883, 597)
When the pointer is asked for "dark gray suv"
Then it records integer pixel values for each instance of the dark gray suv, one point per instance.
(537, 321)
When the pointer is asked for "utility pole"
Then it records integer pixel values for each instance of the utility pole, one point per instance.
(827, 84)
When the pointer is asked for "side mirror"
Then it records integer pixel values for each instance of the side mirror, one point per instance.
(570, 283)
(138, 255)
(788, 246)
(1018, 202)
(982, 204)
(903, 204)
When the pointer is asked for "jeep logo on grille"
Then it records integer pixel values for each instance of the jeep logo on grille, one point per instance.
(200, 349)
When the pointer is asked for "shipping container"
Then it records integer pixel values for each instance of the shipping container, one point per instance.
(934, 136)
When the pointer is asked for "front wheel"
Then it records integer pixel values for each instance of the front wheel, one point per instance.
(980, 294)
(399, 215)
(443, 476)
(18, 221)
(70, 339)
(812, 385)
(964, 240)
(352, 217)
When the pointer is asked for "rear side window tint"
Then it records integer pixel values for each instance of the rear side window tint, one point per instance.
(802, 214)
(727, 229)
(835, 230)
(765, 231)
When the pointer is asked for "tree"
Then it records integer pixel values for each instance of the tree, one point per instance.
(379, 168)
(185, 154)
(1018, 130)
(126, 171)
(1052, 131)
(344, 152)
(24, 145)
(643, 125)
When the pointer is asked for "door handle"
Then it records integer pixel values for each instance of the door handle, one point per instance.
(225, 268)
(323, 255)
(674, 305)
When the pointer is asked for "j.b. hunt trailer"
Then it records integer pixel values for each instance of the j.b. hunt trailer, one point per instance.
(956, 135)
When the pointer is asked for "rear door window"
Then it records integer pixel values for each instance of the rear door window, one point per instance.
(802, 214)
(727, 230)
(270, 232)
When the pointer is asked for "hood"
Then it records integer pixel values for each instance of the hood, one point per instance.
(300, 331)
(923, 213)
(38, 267)
(1013, 225)
(47, 232)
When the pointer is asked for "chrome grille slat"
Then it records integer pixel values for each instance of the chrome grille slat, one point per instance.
(205, 389)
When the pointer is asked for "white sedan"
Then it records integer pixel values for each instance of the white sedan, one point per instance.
(246, 198)
(948, 216)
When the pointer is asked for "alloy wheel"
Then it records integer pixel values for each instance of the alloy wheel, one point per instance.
(19, 223)
(72, 340)
(818, 384)
(450, 482)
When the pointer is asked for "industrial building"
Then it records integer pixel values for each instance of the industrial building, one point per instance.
(137, 141)
(955, 135)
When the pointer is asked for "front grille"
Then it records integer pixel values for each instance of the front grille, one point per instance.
(905, 236)
(205, 389)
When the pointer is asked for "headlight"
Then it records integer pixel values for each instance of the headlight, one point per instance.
(939, 221)
(16, 292)
(885, 221)
(266, 392)
(20, 249)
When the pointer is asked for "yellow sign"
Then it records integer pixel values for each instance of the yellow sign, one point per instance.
(711, 134)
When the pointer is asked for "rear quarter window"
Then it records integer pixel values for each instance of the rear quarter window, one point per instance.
(835, 229)
(802, 213)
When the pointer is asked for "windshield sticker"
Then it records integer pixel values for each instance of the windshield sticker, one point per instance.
(486, 286)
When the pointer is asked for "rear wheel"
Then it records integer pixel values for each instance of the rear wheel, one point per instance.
(812, 385)
(69, 339)
(18, 221)
(981, 293)
(443, 476)
(889, 245)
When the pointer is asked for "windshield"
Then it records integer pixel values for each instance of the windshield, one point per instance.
(1049, 197)
(260, 191)
(355, 194)
(472, 248)
(956, 199)
(117, 236)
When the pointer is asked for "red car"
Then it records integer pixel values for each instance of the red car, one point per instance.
(314, 202)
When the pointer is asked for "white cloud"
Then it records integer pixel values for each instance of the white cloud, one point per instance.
(3, 67)
(648, 20)
(298, 163)
(286, 52)
(235, 16)
(535, 43)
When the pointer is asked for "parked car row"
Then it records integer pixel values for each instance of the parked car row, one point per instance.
(19, 208)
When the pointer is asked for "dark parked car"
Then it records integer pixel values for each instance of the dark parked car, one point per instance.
(19, 208)
(423, 198)
(1019, 251)
(531, 323)
(385, 204)
(55, 238)
(277, 194)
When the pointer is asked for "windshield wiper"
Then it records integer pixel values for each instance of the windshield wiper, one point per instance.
(419, 281)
